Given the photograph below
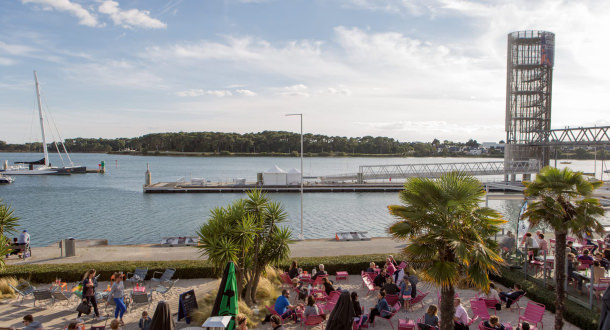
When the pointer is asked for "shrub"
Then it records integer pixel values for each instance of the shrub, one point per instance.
(5, 289)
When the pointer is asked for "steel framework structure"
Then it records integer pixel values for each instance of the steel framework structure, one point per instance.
(577, 136)
(403, 171)
(528, 95)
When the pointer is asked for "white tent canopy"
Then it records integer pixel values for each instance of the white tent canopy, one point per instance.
(275, 176)
(293, 176)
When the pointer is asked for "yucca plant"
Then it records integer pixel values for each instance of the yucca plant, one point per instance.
(448, 234)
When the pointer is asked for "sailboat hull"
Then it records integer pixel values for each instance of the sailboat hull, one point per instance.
(29, 172)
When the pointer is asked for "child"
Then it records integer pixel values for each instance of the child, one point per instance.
(144, 321)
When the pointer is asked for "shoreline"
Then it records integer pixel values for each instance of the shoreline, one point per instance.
(93, 251)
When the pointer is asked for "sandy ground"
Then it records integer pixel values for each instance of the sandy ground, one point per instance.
(59, 315)
(318, 247)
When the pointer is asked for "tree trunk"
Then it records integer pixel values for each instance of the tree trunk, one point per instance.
(255, 281)
(248, 299)
(447, 308)
(560, 276)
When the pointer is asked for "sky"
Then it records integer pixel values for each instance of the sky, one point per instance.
(413, 70)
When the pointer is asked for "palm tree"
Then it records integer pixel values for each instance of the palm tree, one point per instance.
(565, 204)
(246, 233)
(8, 225)
(449, 234)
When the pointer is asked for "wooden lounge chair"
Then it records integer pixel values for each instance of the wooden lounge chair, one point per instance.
(42, 295)
(166, 276)
(138, 276)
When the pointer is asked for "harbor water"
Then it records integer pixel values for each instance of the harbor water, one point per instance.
(112, 205)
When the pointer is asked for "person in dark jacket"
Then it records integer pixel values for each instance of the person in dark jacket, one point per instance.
(294, 270)
(382, 308)
(380, 279)
(389, 287)
(510, 296)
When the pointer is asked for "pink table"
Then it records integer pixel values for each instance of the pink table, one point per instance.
(139, 289)
(342, 276)
(406, 325)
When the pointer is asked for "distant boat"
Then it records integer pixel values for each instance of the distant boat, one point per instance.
(42, 166)
(180, 241)
(5, 179)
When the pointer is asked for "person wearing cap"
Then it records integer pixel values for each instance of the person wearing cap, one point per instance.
(24, 238)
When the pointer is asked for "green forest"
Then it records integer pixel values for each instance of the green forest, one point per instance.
(265, 142)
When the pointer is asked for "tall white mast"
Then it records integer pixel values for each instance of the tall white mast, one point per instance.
(44, 140)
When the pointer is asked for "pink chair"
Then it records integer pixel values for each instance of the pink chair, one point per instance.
(419, 299)
(406, 325)
(479, 309)
(515, 302)
(490, 303)
(313, 320)
(318, 280)
(272, 311)
(331, 302)
(585, 264)
(402, 265)
(392, 299)
(533, 313)
(396, 308)
(286, 281)
(603, 284)
(341, 276)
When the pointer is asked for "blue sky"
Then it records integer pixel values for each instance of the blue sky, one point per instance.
(412, 70)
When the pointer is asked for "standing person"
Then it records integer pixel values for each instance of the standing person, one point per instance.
(89, 293)
(117, 292)
(145, 320)
(405, 292)
(390, 266)
(532, 244)
(413, 280)
(391, 257)
(294, 270)
(544, 246)
(461, 318)
(30, 324)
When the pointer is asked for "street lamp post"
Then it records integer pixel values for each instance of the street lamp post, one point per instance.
(301, 236)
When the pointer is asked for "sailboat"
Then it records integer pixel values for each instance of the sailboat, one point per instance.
(42, 166)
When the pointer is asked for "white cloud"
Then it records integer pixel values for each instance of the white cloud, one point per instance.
(245, 92)
(295, 90)
(341, 89)
(129, 18)
(75, 9)
(6, 61)
(201, 92)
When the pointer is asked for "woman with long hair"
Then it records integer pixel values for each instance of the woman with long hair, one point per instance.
(89, 293)
(294, 270)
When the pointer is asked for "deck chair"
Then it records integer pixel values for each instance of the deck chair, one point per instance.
(61, 296)
(272, 311)
(23, 293)
(166, 276)
(313, 320)
(163, 290)
(331, 302)
(138, 276)
(392, 298)
(419, 299)
(140, 298)
(479, 308)
(42, 295)
(286, 281)
(515, 302)
(533, 313)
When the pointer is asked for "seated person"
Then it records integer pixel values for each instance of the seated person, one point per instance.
(382, 308)
(380, 279)
(357, 307)
(430, 318)
(571, 248)
(320, 272)
(15, 247)
(589, 240)
(301, 289)
(598, 273)
(389, 287)
(585, 256)
(524, 326)
(493, 323)
(294, 270)
(543, 244)
(283, 306)
(573, 271)
(30, 324)
(371, 268)
(602, 260)
(493, 294)
(508, 243)
(460, 318)
(276, 323)
(511, 295)
(328, 286)
(312, 309)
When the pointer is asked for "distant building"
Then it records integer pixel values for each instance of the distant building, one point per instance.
(494, 145)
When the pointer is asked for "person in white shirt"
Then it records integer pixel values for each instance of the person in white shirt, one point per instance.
(461, 318)
(24, 238)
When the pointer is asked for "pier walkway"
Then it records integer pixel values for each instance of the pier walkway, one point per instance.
(434, 170)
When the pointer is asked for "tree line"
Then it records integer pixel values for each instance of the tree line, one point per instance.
(262, 142)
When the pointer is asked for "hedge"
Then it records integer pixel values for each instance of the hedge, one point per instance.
(185, 269)
(574, 313)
